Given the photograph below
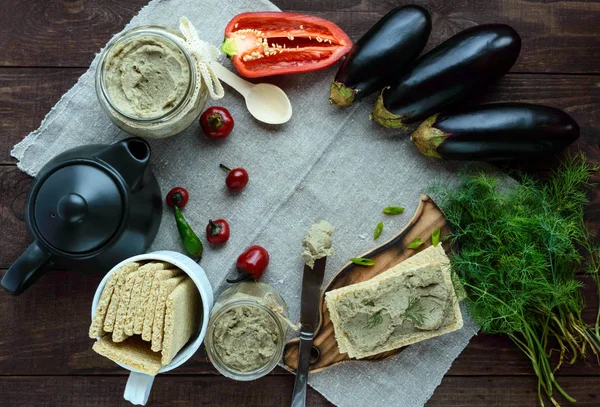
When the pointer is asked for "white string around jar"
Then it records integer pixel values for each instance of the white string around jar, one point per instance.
(204, 54)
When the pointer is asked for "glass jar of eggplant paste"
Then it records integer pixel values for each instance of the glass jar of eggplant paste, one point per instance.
(247, 331)
(148, 84)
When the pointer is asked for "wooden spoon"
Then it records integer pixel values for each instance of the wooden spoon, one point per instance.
(266, 102)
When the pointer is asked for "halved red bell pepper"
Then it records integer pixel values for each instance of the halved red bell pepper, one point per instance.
(278, 43)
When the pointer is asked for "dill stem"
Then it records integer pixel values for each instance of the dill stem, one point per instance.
(527, 349)
(568, 338)
(595, 341)
(580, 327)
(597, 326)
(590, 335)
(545, 335)
(548, 373)
(563, 350)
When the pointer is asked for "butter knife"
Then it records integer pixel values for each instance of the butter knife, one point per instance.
(309, 318)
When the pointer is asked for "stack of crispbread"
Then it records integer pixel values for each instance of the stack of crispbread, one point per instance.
(145, 315)
(412, 301)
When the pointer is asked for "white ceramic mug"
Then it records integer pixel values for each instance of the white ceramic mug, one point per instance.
(139, 384)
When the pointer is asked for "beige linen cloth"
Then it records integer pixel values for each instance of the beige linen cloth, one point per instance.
(326, 163)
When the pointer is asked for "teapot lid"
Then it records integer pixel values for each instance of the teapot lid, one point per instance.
(77, 208)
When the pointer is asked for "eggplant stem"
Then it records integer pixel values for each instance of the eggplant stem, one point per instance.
(341, 95)
(384, 117)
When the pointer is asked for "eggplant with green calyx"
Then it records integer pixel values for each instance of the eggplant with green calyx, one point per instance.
(457, 68)
(496, 131)
(382, 54)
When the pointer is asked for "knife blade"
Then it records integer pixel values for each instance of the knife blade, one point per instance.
(312, 280)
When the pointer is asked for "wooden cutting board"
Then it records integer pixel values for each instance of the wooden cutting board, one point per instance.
(325, 353)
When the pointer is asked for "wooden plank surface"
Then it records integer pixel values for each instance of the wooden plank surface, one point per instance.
(60, 32)
(47, 45)
(93, 391)
(558, 36)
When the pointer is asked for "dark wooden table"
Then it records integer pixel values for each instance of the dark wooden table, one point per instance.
(45, 354)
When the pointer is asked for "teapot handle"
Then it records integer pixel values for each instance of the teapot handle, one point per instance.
(28, 268)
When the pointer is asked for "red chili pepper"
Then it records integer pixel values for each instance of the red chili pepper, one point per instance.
(274, 43)
(216, 122)
(217, 231)
(251, 264)
(178, 196)
(236, 179)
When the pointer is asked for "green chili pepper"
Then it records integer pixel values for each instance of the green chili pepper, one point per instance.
(378, 230)
(415, 244)
(361, 261)
(191, 242)
(435, 237)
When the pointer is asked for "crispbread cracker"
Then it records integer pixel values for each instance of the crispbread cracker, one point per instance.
(435, 261)
(150, 306)
(96, 328)
(133, 352)
(111, 314)
(181, 319)
(118, 333)
(430, 255)
(166, 287)
(140, 312)
(135, 302)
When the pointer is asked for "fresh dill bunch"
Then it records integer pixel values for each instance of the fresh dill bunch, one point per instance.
(518, 253)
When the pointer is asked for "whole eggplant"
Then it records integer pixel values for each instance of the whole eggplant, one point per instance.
(381, 54)
(496, 131)
(457, 68)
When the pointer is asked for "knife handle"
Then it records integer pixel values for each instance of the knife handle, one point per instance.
(299, 395)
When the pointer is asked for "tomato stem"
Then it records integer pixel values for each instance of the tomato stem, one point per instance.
(215, 121)
(225, 168)
(177, 198)
(214, 228)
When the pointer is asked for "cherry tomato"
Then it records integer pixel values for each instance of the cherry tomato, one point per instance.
(216, 122)
(217, 231)
(236, 179)
(178, 196)
(251, 264)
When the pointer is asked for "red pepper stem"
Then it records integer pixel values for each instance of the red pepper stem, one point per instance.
(243, 277)
(225, 168)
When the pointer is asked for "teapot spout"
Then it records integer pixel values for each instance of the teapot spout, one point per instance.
(129, 158)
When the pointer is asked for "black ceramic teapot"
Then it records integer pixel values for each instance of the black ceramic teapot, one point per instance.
(88, 209)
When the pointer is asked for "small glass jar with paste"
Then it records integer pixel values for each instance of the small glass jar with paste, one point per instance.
(148, 84)
(247, 330)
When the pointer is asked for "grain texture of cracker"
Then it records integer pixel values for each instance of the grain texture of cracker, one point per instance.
(182, 319)
(97, 326)
(165, 288)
